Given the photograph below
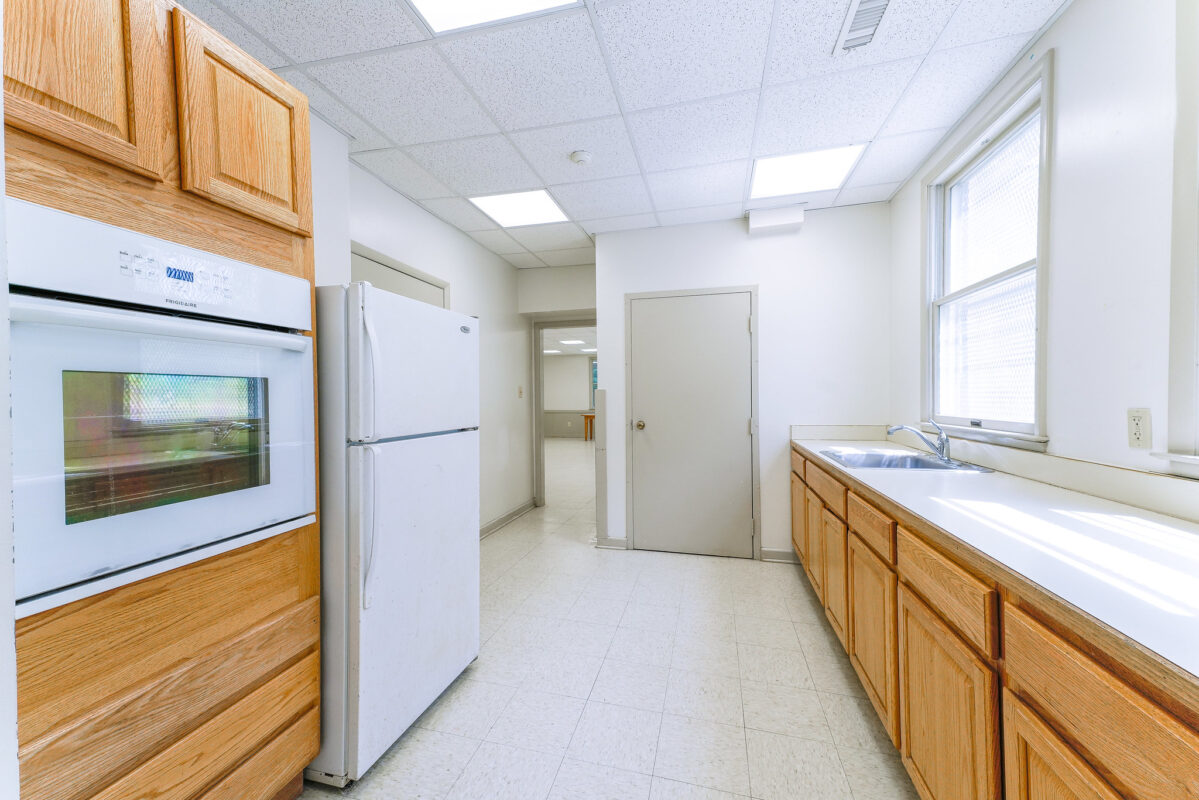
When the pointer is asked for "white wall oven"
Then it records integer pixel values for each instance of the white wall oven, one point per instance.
(162, 405)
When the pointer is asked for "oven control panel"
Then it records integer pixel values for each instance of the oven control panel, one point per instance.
(61, 252)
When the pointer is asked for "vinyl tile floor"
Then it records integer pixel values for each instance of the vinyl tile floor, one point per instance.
(634, 675)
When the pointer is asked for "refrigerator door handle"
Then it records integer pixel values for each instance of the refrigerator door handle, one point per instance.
(372, 502)
(372, 342)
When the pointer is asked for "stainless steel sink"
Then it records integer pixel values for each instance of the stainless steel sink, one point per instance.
(898, 461)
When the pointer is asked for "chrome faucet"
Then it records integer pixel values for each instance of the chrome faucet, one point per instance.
(940, 447)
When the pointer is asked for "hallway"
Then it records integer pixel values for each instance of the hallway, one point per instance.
(631, 675)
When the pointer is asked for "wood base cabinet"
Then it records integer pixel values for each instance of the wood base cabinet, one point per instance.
(872, 643)
(1038, 765)
(799, 519)
(836, 598)
(814, 566)
(948, 709)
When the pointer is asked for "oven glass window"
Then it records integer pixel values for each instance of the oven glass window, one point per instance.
(138, 440)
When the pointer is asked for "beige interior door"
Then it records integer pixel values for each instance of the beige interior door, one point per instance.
(393, 280)
(690, 391)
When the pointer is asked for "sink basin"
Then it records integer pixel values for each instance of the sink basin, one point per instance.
(898, 461)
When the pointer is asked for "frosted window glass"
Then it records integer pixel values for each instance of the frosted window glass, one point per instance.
(993, 211)
(987, 352)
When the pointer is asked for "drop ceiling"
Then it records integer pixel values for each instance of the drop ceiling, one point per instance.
(673, 99)
(551, 339)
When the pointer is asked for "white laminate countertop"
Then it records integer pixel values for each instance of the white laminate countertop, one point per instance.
(1133, 569)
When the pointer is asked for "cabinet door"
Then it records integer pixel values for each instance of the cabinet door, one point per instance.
(873, 647)
(799, 519)
(835, 584)
(814, 566)
(243, 131)
(1038, 765)
(948, 709)
(88, 74)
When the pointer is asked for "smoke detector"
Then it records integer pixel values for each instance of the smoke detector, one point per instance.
(861, 23)
(581, 157)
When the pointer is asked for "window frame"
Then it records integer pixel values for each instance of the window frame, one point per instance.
(1030, 96)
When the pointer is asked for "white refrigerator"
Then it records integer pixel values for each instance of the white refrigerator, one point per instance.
(399, 490)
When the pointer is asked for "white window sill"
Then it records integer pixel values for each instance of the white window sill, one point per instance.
(1022, 441)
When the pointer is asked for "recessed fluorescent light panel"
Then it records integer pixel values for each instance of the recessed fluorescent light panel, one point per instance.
(817, 171)
(448, 15)
(521, 208)
(551, 352)
(588, 349)
(570, 341)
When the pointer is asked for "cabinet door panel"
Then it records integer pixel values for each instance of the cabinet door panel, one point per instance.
(243, 131)
(948, 712)
(815, 563)
(872, 644)
(835, 584)
(87, 74)
(799, 519)
(1039, 765)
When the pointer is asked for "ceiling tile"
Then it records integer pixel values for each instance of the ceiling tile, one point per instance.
(717, 184)
(670, 51)
(556, 236)
(402, 174)
(362, 136)
(687, 216)
(982, 20)
(949, 83)
(549, 149)
(612, 197)
(237, 33)
(524, 261)
(541, 72)
(893, 158)
(460, 213)
(497, 242)
(691, 134)
(568, 258)
(411, 95)
(486, 165)
(307, 30)
(627, 223)
(867, 194)
(831, 110)
(806, 34)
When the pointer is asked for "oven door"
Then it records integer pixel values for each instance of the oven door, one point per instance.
(138, 436)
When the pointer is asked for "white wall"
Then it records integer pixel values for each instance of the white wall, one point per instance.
(566, 383)
(822, 328)
(1110, 233)
(552, 290)
(351, 205)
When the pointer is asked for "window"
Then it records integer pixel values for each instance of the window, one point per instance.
(984, 309)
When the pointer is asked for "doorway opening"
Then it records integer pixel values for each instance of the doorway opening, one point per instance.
(566, 377)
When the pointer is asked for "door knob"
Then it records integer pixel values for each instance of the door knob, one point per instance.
(640, 424)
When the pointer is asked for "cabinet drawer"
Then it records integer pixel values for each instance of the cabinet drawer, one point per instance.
(876, 529)
(1039, 765)
(797, 463)
(830, 490)
(1143, 751)
(964, 601)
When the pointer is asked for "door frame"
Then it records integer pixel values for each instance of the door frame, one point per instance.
(756, 486)
(539, 400)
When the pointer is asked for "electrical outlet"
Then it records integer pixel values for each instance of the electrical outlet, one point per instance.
(1140, 428)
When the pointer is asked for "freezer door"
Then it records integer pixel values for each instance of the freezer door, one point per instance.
(415, 590)
(413, 367)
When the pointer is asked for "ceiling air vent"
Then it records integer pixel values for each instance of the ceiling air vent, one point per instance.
(861, 23)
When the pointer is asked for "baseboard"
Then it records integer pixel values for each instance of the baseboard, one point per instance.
(781, 556)
(499, 522)
(606, 543)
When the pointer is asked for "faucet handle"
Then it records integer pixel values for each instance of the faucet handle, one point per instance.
(940, 430)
